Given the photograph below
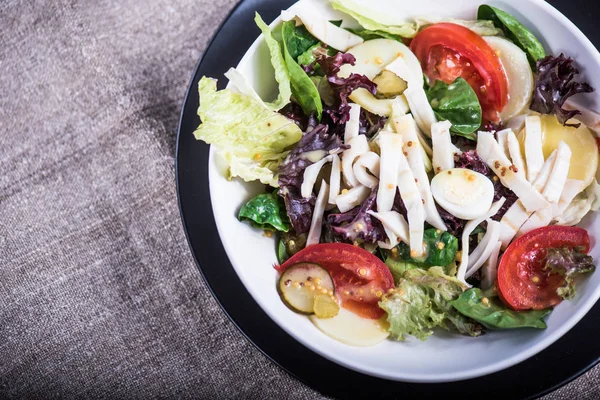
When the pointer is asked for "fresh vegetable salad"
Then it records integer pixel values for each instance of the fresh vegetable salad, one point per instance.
(417, 176)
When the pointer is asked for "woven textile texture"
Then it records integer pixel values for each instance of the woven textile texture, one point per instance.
(99, 295)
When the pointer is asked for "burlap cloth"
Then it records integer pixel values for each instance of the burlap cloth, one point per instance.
(99, 296)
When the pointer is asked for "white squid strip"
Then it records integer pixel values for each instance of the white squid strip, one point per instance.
(353, 124)
(552, 191)
(469, 228)
(491, 153)
(314, 234)
(311, 173)
(484, 249)
(534, 156)
(443, 154)
(366, 169)
(352, 198)
(415, 95)
(391, 150)
(406, 127)
(517, 215)
(358, 147)
(411, 196)
(322, 29)
(335, 179)
(514, 151)
(503, 140)
(489, 271)
(395, 227)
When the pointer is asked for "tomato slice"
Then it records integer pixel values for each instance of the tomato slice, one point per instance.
(360, 278)
(448, 51)
(522, 283)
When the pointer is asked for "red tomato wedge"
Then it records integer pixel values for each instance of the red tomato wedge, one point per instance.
(522, 283)
(448, 51)
(360, 278)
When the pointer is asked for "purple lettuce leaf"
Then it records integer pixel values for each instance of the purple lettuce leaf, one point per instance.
(471, 160)
(370, 123)
(291, 173)
(554, 84)
(357, 225)
(343, 87)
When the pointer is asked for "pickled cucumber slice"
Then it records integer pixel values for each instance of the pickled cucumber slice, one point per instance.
(300, 283)
(389, 85)
(325, 306)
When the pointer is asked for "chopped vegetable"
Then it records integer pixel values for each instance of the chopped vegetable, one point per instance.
(282, 254)
(493, 314)
(265, 212)
(325, 306)
(568, 263)
(303, 88)
(252, 138)
(457, 103)
(441, 249)
(421, 302)
(515, 31)
(554, 84)
(299, 284)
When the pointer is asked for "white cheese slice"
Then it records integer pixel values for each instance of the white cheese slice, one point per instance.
(314, 234)
(346, 201)
(311, 174)
(395, 227)
(415, 95)
(366, 169)
(484, 249)
(358, 146)
(381, 107)
(391, 149)
(517, 215)
(443, 153)
(335, 179)
(469, 228)
(349, 328)
(322, 29)
(514, 152)
(503, 140)
(353, 124)
(489, 271)
(491, 153)
(534, 155)
(415, 211)
(407, 127)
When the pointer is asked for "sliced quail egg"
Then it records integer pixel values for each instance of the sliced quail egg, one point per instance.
(463, 193)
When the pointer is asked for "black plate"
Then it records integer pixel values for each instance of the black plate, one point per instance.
(569, 357)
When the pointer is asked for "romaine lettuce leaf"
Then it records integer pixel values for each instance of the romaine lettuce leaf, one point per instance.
(421, 302)
(371, 20)
(252, 138)
(281, 74)
(304, 90)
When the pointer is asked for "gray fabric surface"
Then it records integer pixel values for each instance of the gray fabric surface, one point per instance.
(99, 296)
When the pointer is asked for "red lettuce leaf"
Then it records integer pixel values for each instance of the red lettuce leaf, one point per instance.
(554, 84)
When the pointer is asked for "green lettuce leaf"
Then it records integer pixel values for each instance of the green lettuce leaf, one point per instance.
(372, 20)
(480, 27)
(458, 104)
(367, 34)
(493, 314)
(421, 302)
(252, 138)
(303, 88)
(568, 263)
(398, 267)
(441, 249)
(515, 31)
(265, 212)
(281, 74)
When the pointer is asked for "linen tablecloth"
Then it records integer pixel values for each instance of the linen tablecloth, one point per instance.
(99, 295)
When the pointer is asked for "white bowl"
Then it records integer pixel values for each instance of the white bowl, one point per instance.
(444, 356)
